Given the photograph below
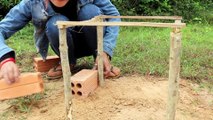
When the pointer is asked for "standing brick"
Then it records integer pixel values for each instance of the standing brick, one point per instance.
(84, 82)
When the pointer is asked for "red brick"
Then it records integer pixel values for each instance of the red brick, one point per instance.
(28, 84)
(44, 66)
(84, 82)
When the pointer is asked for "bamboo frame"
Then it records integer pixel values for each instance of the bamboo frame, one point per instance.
(174, 59)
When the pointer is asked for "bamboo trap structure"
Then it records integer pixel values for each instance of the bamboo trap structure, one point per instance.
(174, 58)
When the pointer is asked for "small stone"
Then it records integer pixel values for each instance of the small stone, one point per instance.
(43, 111)
(117, 102)
(100, 112)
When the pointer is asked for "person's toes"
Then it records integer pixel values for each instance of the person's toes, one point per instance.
(110, 75)
(116, 71)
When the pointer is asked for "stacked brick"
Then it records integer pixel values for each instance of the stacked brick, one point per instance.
(84, 82)
(28, 84)
(44, 66)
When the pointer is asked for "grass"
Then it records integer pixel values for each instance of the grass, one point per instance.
(142, 51)
(146, 51)
(197, 60)
(21, 105)
(24, 104)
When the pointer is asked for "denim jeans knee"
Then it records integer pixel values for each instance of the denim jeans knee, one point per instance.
(52, 34)
(52, 31)
(89, 11)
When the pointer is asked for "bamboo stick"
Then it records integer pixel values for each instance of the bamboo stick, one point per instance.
(66, 71)
(145, 17)
(100, 54)
(145, 24)
(174, 70)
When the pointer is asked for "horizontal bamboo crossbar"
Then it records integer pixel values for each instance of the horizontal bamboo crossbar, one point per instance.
(66, 24)
(144, 17)
(96, 22)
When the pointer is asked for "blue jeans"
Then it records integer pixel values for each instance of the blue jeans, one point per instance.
(82, 41)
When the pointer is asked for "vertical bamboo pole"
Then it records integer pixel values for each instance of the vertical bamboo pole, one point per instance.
(174, 70)
(100, 54)
(66, 71)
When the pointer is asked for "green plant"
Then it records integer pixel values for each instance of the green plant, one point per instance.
(24, 104)
(9, 3)
(20, 105)
(5, 6)
(191, 10)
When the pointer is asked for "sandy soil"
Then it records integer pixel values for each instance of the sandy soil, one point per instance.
(126, 98)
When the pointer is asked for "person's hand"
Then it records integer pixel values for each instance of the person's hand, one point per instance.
(107, 66)
(9, 72)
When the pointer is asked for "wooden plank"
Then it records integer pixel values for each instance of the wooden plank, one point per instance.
(145, 24)
(66, 71)
(174, 70)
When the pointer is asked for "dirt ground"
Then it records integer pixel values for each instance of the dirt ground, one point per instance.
(126, 98)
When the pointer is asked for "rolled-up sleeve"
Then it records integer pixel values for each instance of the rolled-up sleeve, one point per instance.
(111, 32)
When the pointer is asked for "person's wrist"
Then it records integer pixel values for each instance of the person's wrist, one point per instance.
(7, 60)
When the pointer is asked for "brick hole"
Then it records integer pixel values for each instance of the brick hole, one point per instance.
(79, 93)
(72, 84)
(73, 92)
(79, 85)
